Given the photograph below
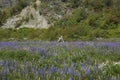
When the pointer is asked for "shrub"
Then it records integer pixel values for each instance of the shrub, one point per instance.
(99, 33)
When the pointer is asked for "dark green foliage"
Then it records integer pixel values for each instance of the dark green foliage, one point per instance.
(4, 14)
(97, 5)
(69, 21)
(99, 33)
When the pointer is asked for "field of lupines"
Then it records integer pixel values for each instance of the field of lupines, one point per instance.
(59, 61)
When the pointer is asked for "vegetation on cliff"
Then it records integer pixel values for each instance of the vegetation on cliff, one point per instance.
(89, 19)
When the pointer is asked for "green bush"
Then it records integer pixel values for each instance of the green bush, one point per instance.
(99, 33)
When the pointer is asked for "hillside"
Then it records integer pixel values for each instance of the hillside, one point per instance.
(75, 20)
(34, 14)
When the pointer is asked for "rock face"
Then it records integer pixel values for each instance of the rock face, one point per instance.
(38, 14)
(38, 2)
(29, 17)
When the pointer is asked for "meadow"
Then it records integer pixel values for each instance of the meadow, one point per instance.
(35, 60)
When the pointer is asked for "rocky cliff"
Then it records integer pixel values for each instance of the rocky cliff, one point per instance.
(38, 15)
(29, 17)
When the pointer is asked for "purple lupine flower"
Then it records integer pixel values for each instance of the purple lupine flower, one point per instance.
(52, 70)
(12, 67)
(64, 68)
(71, 70)
(82, 64)
(2, 62)
(23, 72)
(32, 49)
(3, 78)
(33, 70)
(77, 74)
(7, 63)
(25, 61)
(35, 74)
(44, 52)
(85, 69)
(7, 71)
(88, 60)
(95, 68)
(33, 62)
(59, 71)
(40, 71)
(26, 70)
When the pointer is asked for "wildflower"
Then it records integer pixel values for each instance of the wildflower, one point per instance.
(71, 70)
(3, 78)
(2, 62)
(44, 52)
(40, 71)
(86, 70)
(82, 64)
(52, 69)
(95, 68)
(65, 68)
(23, 72)
(7, 63)
(7, 71)
(25, 61)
